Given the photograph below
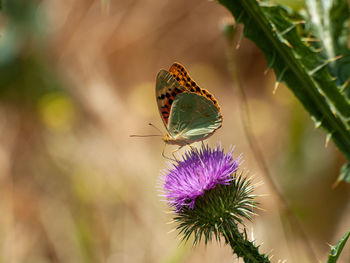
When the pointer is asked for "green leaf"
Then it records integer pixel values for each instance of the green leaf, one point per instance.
(328, 20)
(282, 37)
(337, 249)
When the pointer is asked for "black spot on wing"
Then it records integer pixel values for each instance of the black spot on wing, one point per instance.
(161, 97)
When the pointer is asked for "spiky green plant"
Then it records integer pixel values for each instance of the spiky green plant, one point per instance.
(337, 249)
(218, 213)
(211, 200)
(307, 49)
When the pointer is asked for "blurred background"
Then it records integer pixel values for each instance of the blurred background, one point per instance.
(77, 77)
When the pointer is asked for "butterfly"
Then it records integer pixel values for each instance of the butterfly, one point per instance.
(189, 113)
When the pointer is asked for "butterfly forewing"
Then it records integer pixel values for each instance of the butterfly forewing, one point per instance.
(193, 118)
(166, 90)
(180, 74)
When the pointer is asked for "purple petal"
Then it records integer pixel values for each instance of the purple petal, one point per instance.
(191, 177)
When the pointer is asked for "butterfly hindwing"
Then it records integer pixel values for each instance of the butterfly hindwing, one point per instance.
(166, 90)
(193, 117)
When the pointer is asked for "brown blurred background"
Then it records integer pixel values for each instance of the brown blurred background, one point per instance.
(77, 77)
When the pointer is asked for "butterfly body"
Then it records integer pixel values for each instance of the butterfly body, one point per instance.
(180, 141)
(175, 141)
(189, 113)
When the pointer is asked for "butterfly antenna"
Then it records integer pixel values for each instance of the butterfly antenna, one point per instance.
(150, 124)
(151, 135)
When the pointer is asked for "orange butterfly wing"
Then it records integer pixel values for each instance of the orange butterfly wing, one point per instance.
(180, 74)
(168, 86)
(166, 90)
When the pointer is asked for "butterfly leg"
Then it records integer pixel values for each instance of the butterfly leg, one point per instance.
(196, 152)
(166, 157)
(163, 153)
(172, 153)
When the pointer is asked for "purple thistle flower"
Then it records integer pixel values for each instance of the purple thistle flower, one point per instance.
(191, 177)
(211, 198)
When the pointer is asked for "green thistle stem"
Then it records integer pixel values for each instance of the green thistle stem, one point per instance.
(241, 246)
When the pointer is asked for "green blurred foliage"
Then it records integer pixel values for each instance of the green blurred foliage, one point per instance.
(294, 4)
(26, 72)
